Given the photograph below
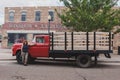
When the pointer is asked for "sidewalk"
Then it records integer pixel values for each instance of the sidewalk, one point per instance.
(6, 54)
(5, 50)
(114, 58)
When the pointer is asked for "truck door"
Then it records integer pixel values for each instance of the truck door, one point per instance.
(41, 47)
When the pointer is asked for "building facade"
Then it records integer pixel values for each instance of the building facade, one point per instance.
(25, 22)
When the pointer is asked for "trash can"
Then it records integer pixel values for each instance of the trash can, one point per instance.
(118, 50)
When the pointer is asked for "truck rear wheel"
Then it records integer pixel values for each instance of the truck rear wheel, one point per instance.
(19, 57)
(83, 61)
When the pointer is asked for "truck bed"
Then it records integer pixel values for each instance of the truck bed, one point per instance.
(81, 42)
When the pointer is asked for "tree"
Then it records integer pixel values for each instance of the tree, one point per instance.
(90, 15)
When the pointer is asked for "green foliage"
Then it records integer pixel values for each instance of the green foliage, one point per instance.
(90, 15)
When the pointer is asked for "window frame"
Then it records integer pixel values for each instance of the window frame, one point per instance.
(23, 15)
(11, 16)
(40, 39)
(38, 18)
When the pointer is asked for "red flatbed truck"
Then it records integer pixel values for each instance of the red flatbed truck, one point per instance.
(81, 46)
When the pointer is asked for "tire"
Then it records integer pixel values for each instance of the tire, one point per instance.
(83, 61)
(19, 57)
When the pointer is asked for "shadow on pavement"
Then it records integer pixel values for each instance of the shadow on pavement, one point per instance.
(62, 63)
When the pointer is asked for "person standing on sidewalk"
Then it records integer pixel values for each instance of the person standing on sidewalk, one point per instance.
(24, 52)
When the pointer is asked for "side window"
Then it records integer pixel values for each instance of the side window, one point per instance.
(40, 40)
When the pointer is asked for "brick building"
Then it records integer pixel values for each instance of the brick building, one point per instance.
(25, 22)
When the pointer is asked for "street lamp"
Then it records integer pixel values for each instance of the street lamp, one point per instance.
(49, 19)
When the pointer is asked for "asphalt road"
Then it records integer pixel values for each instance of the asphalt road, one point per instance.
(107, 69)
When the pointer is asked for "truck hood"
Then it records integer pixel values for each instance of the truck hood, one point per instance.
(17, 44)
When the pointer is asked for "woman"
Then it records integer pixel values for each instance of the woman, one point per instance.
(24, 52)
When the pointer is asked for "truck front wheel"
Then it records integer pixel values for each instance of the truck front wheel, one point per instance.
(83, 61)
(19, 57)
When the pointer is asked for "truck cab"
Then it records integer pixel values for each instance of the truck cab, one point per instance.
(39, 47)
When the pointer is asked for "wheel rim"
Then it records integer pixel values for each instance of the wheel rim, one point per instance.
(83, 61)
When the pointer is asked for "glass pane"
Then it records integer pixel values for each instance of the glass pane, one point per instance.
(40, 40)
(23, 16)
(11, 16)
(16, 38)
(37, 16)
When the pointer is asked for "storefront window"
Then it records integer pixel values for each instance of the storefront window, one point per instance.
(16, 38)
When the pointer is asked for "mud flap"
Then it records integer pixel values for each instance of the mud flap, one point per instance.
(107, 55)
